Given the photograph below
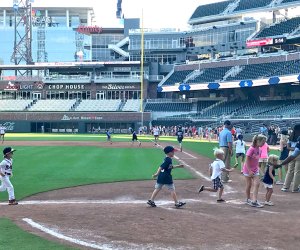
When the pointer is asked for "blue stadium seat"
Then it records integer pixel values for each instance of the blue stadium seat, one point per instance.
(177, 77)
(252, 4)
(210, 9)
(284, 27)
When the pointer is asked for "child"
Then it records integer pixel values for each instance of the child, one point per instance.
(263, 157)
(240, 151)
(165, 178)
(108, 136)
(269, 177)
(134, 138)
(284, 153)
(6, 173)
(180, 137)
(215, 170)
(251, 169)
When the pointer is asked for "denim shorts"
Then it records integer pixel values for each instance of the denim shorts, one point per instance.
(170, 187)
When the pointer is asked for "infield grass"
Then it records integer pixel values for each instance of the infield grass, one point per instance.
(40, 169)
(14, 238)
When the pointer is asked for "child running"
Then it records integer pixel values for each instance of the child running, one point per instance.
(251, 170)
(269, 178)
(6, 174)
(165, 178)
(134, 138)
(240, 151)
(180, 137)
(216, 169)
(108, 136)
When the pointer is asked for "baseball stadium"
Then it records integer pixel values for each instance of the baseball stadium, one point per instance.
(94, 119)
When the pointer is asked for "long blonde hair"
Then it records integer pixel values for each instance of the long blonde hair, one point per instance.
(258, 138)
(284, 138)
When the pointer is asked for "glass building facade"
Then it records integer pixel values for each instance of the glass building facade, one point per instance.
(54, 35)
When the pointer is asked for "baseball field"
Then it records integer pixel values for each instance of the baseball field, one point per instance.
(81, 192)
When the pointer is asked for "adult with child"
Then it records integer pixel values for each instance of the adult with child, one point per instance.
(164, 178)
(251, 170)
(215, 170)
(292, 178)
(225, 143)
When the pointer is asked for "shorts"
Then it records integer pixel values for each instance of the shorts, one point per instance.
(170, 187)
(268, 185)
(134, 138)
(179, 140)
(265, 160)
(237, 155)
(217, 183)
(255, 174)
(156, 136)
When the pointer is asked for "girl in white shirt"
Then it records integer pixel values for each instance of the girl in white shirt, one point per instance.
(240, 151)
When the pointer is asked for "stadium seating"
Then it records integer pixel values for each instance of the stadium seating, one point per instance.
(98, 105)
(210, 75)
(132, 105)
(177, 77)
(252, 4)
(168, 107)
(288, 1)
(14, 105)
(292, 68)
(52, 105)
(204, 104)
(210, 9)
(254, 71)
(284, 27)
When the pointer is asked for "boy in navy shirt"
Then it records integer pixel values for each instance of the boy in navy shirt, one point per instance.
(180, 137)
(165, 178)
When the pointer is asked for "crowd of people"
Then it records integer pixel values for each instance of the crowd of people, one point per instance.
(256, 163)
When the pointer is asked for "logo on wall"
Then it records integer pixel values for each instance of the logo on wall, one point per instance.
(9, 126)
(39, 85)
(38, 20)
(12, 86)
(66, 118)
(89, 29)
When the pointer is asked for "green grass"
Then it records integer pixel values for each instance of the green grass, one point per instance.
(14, 238)
(40, 169)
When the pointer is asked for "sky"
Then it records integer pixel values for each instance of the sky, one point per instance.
(156, 13)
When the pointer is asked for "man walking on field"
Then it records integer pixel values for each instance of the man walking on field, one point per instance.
(225, 143)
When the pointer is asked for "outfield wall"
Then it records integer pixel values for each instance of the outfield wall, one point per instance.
(68, 122)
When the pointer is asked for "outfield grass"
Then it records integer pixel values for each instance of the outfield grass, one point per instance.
(40, 169)
(13, 238)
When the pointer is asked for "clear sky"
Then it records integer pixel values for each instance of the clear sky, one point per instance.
(157, 13)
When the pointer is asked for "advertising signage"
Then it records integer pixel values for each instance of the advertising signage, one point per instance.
(266, 42)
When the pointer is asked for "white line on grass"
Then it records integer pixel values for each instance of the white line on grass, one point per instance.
(66, 238)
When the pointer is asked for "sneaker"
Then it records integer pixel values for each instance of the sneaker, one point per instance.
(256, 204)
(201, 189)
(140, 144)
(285, 190)
(179, 204)
(12, 202)
(248, 202)
(220, 200)
(279, 182)
(269, 203)
(151, 203)
(235, 165)
(296, 191)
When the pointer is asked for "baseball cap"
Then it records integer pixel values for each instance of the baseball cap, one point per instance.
(8, 150)
(169, 149)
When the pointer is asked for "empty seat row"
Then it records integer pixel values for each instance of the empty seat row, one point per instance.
(14, 105)
(52, 105)
(168, 107)
(98, 105)
(210, 9)
(132, 105)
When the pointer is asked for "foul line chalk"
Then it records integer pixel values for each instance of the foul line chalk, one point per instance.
(66, 238)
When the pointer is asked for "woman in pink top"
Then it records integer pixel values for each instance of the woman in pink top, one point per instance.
(263, 158)
(251, 169)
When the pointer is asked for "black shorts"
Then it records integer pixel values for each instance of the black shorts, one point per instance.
(134, 138)
(179, 140)
(237, 155)
(217, 183)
